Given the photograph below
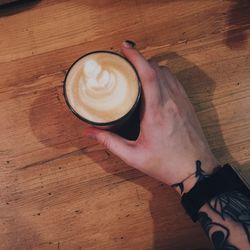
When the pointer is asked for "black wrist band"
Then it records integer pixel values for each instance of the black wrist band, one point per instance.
(223, 181)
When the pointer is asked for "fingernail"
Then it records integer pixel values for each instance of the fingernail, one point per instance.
(129, 44)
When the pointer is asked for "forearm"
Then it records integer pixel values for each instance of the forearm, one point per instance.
(225, 218)
(226, 221)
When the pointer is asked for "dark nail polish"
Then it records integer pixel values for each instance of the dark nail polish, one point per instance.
(131, 43)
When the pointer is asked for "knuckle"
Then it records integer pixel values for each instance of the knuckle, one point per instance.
(172, 107)
(150, 75)
(106, 141)
(167, 70)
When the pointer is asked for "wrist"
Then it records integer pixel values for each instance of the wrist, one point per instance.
(224, 181)
(188, 184)
(202, 170)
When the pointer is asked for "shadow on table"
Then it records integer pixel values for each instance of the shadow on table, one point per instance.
(54, 126)
(238, 20)
(15, 7)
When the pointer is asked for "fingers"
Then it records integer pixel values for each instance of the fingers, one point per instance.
(162, 81)
(146, 73)
(173, 82)
(119, 146)
(168, 81)
(136, 58)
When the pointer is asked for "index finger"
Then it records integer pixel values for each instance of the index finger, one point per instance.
(146, 73)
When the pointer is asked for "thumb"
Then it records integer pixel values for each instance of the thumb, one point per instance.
(117, 145)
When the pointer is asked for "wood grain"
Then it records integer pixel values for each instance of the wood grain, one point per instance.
(59, 190)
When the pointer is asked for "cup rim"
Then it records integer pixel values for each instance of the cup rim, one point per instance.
(102, 123)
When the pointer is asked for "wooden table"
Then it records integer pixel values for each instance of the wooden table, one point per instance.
(59, 190)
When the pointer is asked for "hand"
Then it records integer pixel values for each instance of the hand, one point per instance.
(171, 139)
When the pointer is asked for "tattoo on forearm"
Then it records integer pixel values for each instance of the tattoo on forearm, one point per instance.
(217, 233)
(235, 206)
(179, 185)
(199, 174)
(231, 205)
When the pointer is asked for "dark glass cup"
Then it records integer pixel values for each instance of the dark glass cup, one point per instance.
(127, 126)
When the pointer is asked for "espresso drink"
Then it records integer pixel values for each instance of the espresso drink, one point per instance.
(102, 88)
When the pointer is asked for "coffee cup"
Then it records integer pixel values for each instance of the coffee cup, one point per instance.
(103, 89)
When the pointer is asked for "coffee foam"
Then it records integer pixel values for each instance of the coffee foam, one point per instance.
(102, 87)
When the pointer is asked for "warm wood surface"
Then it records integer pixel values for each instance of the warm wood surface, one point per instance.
(59, 190)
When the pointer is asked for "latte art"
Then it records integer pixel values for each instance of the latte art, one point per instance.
(102, 87)
(96, 77)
